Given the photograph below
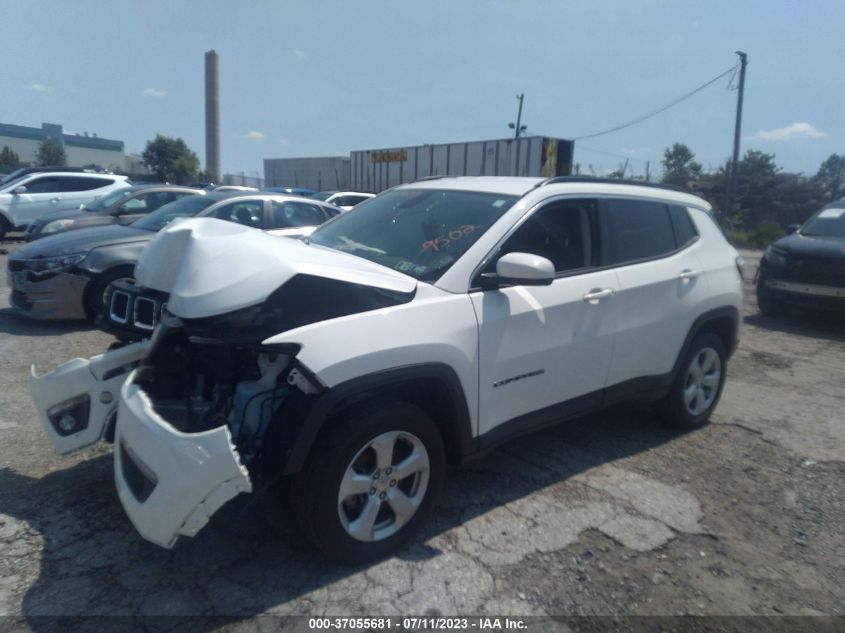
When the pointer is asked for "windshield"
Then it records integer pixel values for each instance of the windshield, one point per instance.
(18, 173)
(184, 207)
(415, 231)
(108, 201)
(828, 222)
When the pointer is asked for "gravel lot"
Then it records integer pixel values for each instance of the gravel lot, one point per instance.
(611, 514)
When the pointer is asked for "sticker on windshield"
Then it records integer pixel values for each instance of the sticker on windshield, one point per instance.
(832, 213)
(498, 203)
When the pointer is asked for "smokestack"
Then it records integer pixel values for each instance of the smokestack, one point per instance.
(212, 115)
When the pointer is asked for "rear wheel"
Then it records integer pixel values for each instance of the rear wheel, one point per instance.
(698, 385)
(370, 482)
(95, 301)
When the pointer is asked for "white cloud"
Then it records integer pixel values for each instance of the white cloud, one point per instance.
(299, 54)
(38, 87)
(152, 92)
(796, 130)
(255, 136)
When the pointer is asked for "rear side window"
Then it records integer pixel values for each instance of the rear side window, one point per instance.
(637, 230)
(685, 231)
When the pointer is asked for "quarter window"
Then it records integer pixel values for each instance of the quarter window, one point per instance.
(637, 230)
(560, 232)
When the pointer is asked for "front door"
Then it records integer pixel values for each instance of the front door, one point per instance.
(546, 350)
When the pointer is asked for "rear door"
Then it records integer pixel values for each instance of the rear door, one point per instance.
(652, 246)
(546, 350)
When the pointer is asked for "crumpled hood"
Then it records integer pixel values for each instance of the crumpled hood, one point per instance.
(212, 267)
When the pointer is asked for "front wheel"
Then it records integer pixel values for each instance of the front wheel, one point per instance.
(371, 480)
(698, 385)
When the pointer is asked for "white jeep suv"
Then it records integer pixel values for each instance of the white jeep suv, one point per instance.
(439, 320)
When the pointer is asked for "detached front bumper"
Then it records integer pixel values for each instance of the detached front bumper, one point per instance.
(170, 482)
(77, 400)
(57, 297)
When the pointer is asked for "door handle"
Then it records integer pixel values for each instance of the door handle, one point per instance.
(688, 274)
(597, 294)
(54, 200)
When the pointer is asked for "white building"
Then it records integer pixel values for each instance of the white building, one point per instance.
(80, 149)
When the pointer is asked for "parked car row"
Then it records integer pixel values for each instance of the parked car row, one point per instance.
(423, 328)
(67, 275)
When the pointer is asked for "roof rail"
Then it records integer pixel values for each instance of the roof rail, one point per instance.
(608, 181)
(424, 178)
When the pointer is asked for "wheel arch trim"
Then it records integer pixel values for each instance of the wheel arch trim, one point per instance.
(354, 390)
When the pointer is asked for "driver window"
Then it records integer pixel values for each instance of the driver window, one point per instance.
(560, 232)
(247, 212)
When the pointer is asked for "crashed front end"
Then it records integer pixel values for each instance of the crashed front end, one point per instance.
(192, 421)
(206, 409)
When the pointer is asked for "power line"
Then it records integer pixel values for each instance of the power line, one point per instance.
(659, 110)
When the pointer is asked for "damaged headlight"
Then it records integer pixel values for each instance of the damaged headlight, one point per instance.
(52, 265)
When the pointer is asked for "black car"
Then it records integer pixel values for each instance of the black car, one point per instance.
(119, 207)
(807, 267)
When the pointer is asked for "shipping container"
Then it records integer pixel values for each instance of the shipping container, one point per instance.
(377, 170)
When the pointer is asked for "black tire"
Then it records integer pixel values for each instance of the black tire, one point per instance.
(315, 492)
(95, 295)
(677, 409)
(768, 304)
(5, 227)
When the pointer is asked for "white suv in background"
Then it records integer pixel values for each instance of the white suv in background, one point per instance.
(437, 321)
(37, 194)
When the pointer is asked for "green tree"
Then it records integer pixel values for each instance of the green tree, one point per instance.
(50, 153)
(170, 159)
(679, 166)
(831, 177)
(9, 159)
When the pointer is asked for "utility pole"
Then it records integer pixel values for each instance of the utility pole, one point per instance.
(518, 129)
(729, 197)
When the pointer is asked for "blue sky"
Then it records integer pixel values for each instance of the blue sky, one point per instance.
(325, 77)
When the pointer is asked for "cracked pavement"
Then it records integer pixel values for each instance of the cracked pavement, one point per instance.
(610, 514)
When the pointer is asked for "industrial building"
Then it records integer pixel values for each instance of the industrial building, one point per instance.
(320, 174)
(378, 169)
(80, 149)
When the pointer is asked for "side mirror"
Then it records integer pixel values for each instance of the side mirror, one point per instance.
(792, 228)
(520, 269)
(19, 190)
